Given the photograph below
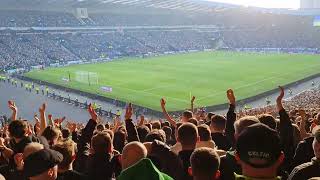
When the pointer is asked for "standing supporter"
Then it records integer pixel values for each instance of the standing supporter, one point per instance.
(188, 137)
(309, 169)
(65, 168)
(204, 164)
(42, 165)
(205, 137)
(217, 126)
(258, 151)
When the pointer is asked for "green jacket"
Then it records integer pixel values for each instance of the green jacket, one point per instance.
(143, 170)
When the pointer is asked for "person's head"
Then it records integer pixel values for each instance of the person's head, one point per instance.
(51, 134)
(188, 136)
(209, 116)
(156, 125)
(316, 141)
(119, 140)
(186, 115)
(42, 165)
(218, 123)
(132, 153)
(168, 131)
(205, 164)
(100, 127)
(142, 132)
(243, 123)
(204, 132)
(65, 133)
(18, 129)
(31, 148)
(268, 120)
(156, 134)
(107, 126)
(68, 151)
(193, 121)
(258, 151)
(317, 120)
(101, 143)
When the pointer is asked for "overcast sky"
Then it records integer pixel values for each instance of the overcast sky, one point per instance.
(265, 3)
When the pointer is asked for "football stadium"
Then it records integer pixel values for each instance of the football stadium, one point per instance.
(159, 89)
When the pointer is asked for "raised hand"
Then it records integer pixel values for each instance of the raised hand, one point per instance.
(192, 103)
(129, 111)
(163, 103)
(92, 112)
(12, 105)
(14, 109)
(42, 109)
(231, 97)
(279, 99)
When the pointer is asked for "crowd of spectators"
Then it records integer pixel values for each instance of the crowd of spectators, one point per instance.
(197, 145)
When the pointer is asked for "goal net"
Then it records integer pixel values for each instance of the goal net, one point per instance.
(87, 77)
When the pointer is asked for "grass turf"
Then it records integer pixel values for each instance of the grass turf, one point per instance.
(207, 75)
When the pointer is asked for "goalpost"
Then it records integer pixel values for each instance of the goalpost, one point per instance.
(86, 77)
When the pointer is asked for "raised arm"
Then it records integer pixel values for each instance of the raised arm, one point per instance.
(286, 130)
(14, 110)
(192, 103)
(231, 116)
(165, 113)
(130, 127)
(43, 120)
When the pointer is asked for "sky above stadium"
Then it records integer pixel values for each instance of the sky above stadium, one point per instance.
(264, 3)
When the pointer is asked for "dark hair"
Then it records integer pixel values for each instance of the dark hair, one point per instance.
(107, 126)
(156, 125)
(149, 126)
(193, 121)
(168, 131)
(156, 134)
(204, 132)
(119, 140)
(188, 134)
(50, 133)
(268, 120)
(205, 163)
(17, 128)
(65, 133)
(100, 127)
(209, 116)
(218, 122)
(101, 142)
(187, 114)
(142, 132)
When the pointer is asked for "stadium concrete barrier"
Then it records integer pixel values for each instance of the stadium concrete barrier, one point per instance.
(158, 113)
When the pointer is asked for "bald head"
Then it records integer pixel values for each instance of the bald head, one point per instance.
(132, 153)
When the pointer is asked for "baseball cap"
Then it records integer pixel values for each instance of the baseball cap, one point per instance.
(259, 146)
(40, 161)
(316, 133)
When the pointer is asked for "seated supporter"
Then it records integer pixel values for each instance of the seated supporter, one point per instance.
(204, 164)
(65, 168)
(258, 151)
(309, 169)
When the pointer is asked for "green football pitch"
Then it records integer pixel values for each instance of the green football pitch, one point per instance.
(206, 75)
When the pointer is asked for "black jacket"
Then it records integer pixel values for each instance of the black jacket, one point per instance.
(306, 170)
